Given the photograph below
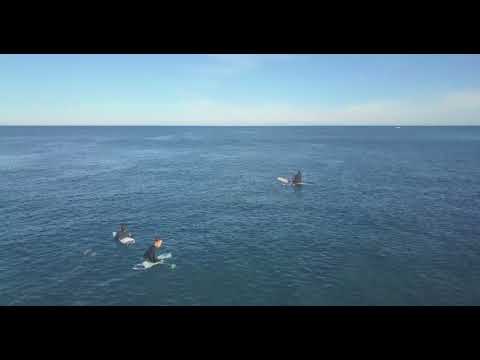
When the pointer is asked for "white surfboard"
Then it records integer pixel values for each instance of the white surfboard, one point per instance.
(285, 181)
(148, 264)
(125, 241)
(164, 256)
(128, 241)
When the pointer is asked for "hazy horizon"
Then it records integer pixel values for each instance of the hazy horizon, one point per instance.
(292, 125)
(239, 90)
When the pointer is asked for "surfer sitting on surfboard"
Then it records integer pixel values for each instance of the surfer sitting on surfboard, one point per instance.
(297, 179)
(123, 233)
(150, 254)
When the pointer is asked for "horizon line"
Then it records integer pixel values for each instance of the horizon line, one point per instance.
(259, 125)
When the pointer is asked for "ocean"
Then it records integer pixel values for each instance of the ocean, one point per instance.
(388, 216)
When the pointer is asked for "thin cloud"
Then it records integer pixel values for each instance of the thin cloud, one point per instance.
(455, 108)
(469, 99)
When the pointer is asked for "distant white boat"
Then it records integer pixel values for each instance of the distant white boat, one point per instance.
(397, 127)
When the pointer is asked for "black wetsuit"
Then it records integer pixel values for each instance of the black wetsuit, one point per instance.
(297, 178)
(150, 254)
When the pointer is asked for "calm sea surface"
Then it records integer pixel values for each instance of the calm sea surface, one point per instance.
(389, 216)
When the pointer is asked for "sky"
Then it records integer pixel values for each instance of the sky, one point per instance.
(253, 89)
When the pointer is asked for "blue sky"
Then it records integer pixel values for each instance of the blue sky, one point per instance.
(239, 89)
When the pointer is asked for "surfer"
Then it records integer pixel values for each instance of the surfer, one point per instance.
(123, 233)
(150, 254)
(297, 179)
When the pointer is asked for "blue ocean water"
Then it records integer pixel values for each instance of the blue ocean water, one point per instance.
(389, 216)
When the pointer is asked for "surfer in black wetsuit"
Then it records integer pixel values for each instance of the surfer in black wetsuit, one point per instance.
(123, 233)
(150, 254)
(297, 178)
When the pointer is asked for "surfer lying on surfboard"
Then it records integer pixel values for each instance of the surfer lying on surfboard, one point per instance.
(150, 254)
